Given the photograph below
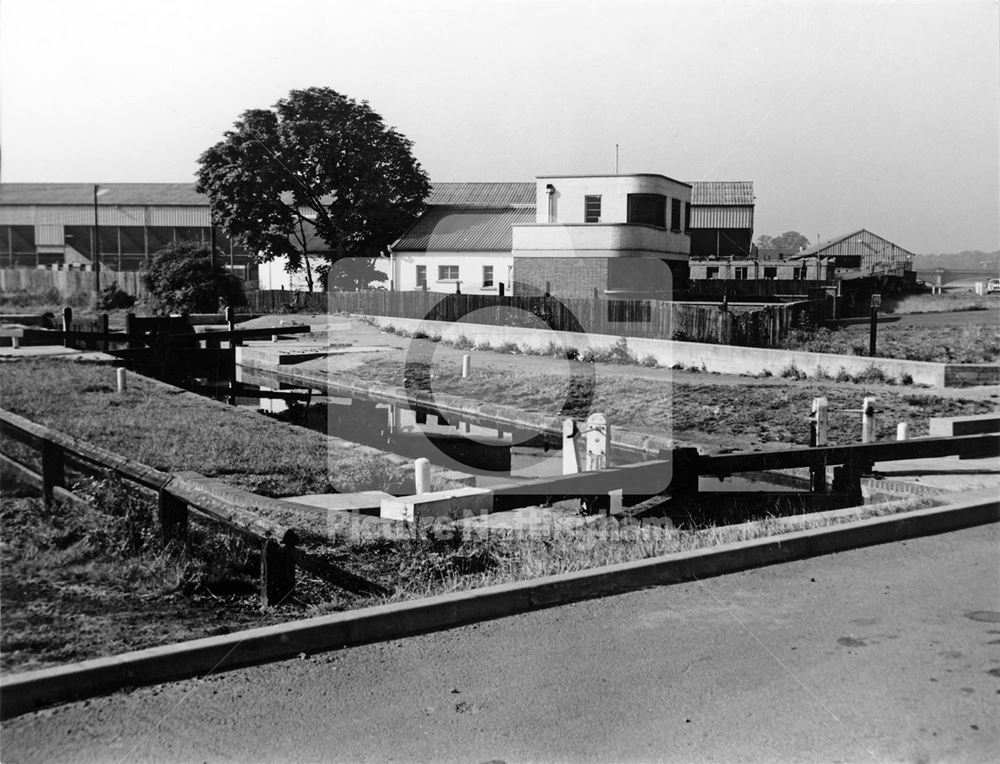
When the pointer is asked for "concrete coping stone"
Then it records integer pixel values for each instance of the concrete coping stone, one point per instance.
(25, 692)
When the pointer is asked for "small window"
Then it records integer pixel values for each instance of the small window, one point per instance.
(447, 273)
(770, 272)
(592, 209)
(675, 215)
(487, 276)
(712, 272)
(421, 277)
(740, 273)
(687, 216)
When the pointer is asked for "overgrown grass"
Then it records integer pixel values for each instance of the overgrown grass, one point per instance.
(942, 303)
(80, 582)
(173, 430)
(742, 416)
(437, 563)
(941, 344)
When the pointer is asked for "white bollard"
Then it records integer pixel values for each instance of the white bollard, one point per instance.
(466, 365)
(902, 431)
(15, 342)
(422, 474)
(122, 380)
(597, 433)
(868, 426)
(821, 421)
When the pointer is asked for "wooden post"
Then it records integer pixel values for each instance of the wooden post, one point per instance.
(868, 424)
(570, 464)
(466, 366)
(131, 331)
(277, 572)
(53, 469)
(67, 322)
(104, 324)
(231, 321)
(121, 377)
(173, 514)
(902, 431)
(847, 480)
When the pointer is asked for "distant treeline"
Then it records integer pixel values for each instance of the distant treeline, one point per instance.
(966, 260)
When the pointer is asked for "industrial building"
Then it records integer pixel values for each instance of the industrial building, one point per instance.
(63, 225)
(721, 222)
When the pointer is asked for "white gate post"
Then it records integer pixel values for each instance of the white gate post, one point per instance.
(868, 424)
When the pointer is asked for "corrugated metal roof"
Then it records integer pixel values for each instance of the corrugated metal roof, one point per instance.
(735, 192)
(69, 194)
(491, 195)
(826, 244)
(468, 229)
(721, 217)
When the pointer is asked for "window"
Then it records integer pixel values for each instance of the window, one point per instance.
(770, 272)
(648, 209)
(421, 277)
(447, 273)
(592, 209)
(712, 272)
(687, 216)
(740, 273)
(675, 214)
(487, 276)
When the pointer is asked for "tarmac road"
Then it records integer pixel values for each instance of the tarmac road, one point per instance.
(888, 653)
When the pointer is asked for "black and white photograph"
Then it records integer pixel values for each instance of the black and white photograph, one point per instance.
(498, 381)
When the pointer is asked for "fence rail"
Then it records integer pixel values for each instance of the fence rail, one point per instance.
(764, 325)
(178, 495)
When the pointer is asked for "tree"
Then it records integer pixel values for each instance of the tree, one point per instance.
(181, 278)
(790, 241)
(318, 165)
(351, 274)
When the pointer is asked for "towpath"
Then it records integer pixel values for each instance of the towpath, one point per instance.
(889, 653)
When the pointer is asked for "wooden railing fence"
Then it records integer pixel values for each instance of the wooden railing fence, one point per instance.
(179, 497)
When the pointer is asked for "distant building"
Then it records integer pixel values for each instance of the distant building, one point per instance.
(741, 269)
(860, 253)
(721, 222)
(51, 225)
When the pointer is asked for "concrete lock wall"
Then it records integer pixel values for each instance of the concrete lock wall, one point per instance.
(726, 359)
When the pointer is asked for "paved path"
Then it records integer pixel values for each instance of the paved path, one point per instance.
(890, 653)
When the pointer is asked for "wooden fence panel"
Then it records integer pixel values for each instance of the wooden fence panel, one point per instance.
(765, 325)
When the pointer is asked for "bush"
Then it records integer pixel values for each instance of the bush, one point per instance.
(181, 279)
(113, 298)
(792, 372)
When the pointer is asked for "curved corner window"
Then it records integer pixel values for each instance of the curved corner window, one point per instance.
(648, 209)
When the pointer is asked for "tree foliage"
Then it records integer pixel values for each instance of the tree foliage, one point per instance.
(790, 241)
(318, 174)
(181, 278)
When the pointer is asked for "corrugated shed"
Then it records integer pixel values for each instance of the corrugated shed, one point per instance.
(721, 217)
(458, 229)
(489, 195)
(72, 194)
(860, 250)
(726, 192)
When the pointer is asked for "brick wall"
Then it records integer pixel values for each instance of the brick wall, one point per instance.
(567, 277)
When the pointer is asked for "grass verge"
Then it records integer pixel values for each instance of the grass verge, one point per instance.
(744, 416)
(173, 430)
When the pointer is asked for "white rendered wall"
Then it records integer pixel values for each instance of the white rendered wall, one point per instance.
(470, 271)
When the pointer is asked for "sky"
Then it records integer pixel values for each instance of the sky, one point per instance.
(845, 115)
